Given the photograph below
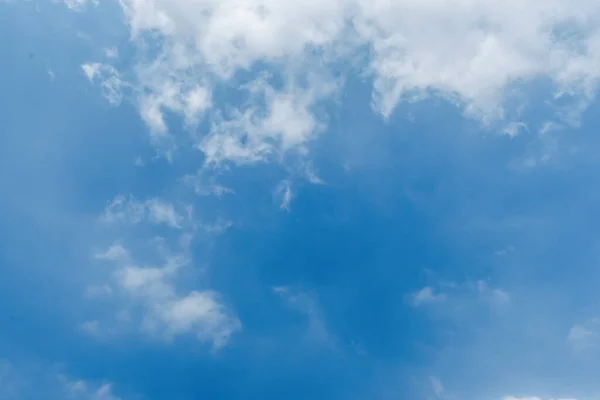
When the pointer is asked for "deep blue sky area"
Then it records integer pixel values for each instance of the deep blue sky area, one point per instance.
(336, 199)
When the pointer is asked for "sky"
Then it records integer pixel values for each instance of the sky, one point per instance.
(327, 199)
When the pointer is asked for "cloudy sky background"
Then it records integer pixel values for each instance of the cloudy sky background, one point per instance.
(329, 199)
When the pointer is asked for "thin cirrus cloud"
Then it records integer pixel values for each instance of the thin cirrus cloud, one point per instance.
(154, 210)
(450, 292)
(30, 381)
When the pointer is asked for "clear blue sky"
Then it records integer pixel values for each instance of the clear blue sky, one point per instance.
(328, 199)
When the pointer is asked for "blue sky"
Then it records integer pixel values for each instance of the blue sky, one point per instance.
(344, 199)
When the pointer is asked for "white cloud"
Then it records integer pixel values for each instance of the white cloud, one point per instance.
(162, 212)
(166, 313)
(204, 184)
(82, 390)
(111, 52)
(126, 210)
(275, 121)
(79, 5)
(109, 78)
(33, 381)
(122, 209)
(91, 70)
(475, 53)
(114, 253)
(284, 195)
(462, 296)
(426, 296)
(200, 313)
(91, 327)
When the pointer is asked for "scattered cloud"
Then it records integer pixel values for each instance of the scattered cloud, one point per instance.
(157, 211)
(92, 328)
(161, 212)
(114, 253)
(283, 194)
(455, 295)
(79, 390)
(111, 52)
(165, 312)
(294, 55)
(29, 381)
(204, 183)
(426, 296)
(79, 5)
(109, 79)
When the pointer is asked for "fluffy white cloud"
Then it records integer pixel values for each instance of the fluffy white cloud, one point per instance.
(146, 294)
(473, 52)
(165, 312)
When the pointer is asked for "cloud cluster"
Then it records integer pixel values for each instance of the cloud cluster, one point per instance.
(280, 61)
(146, 293)
(452, 293)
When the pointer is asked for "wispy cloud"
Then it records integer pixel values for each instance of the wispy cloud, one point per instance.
(20, 380)
(78, 5)
(109, 80)
(426, 296)
(166, 312)
(130, 210)
(584, 336)
(306, 303)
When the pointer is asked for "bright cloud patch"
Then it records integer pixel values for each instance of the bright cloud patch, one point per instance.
(146, 296)
(480, 54)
